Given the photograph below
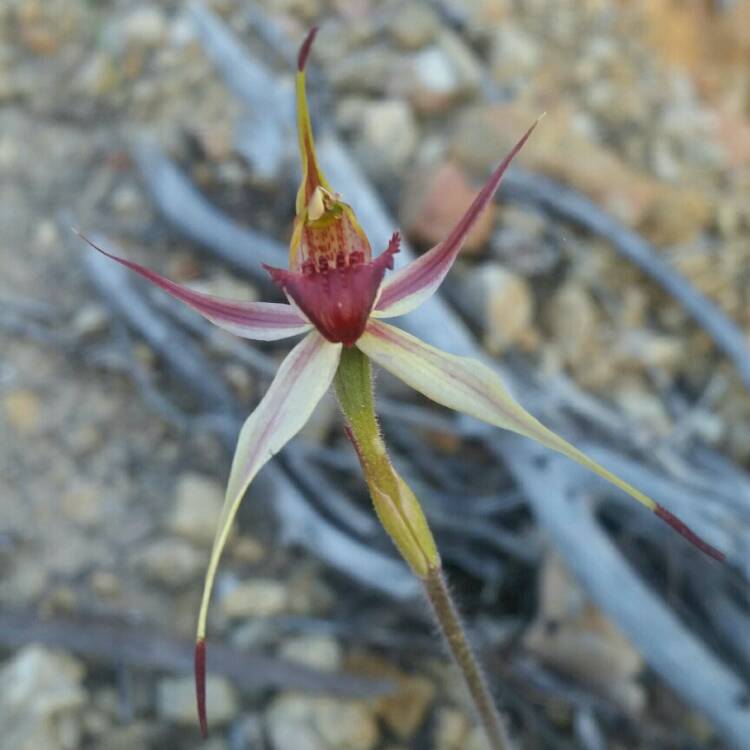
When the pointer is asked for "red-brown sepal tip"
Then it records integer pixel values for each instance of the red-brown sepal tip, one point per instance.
(304, 50)
(200, 684)
(684, 530)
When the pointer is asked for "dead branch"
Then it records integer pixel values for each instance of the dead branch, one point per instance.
(116, 643)
(252, 83)
(183, 356)
(183, 206)
(670, 649)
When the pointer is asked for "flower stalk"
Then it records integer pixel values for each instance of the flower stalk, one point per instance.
(401, 515)
(448, 619)
(398, 509)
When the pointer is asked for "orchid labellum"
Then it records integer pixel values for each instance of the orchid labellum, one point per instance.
(339, 296)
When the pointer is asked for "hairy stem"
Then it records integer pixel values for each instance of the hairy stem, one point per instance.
(401, 515)
(397, 507)
(449, 620)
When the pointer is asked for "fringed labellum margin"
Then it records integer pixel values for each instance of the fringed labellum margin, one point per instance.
(337, 296)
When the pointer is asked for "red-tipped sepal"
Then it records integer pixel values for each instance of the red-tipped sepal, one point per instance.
(304, 50)
(262, 321)
(471, 387)
(200, 684)
(684, 530)
(338, 300)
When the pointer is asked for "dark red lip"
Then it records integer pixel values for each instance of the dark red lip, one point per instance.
(338, 301)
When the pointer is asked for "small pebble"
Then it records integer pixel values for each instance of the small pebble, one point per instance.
(260, 597)
(172, 562)
(196, 509)
(316, 651)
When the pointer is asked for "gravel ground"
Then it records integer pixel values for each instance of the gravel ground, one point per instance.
(106, 509)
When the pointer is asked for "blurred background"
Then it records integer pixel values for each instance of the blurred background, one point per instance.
(610, 283)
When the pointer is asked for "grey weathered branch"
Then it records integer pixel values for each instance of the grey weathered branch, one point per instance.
(254, 86)
(117, 643)
(184, 357)
(182, 205)
(667, 645)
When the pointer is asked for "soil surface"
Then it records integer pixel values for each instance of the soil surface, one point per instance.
(107, 505)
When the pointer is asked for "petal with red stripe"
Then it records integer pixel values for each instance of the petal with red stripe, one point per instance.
(300, 383)
(262, 321)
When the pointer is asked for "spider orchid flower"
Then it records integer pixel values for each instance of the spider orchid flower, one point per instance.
(338, 298)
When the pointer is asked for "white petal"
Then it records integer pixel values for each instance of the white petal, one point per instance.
(261, 321)
(471, 387)
(302, 380)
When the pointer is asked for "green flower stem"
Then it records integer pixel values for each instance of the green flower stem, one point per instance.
(397, 507)
(402, 517)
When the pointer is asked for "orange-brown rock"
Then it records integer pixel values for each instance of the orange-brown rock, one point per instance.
(667, 214)
(712, 43)
(435, 200)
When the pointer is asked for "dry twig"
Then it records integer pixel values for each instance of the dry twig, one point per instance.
(116, 644)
